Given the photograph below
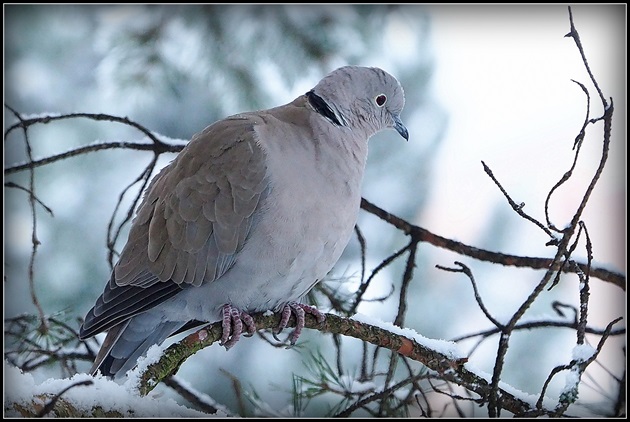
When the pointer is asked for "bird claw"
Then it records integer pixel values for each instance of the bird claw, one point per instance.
(236, 323)
(299, 310)
(232, 324)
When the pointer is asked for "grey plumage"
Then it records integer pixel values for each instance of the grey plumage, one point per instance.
(251, 214)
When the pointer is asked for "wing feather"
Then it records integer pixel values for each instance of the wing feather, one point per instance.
(195, 217)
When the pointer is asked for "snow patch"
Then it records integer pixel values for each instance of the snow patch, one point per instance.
(583, 352)
(21, 389)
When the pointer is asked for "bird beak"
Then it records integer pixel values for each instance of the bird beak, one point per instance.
(400, 127)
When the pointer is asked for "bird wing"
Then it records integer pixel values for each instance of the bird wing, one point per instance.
(191, 224)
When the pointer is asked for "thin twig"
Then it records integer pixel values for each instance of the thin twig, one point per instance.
(423, 235)
(43, 328)
(31, 194)
(51, 404)
(136, 146)
(406, 280)
(538, 324)
(145, 177)
(156, 145)
(190, 396)
(581, 367)
(24, 123)
(573, 33)
(377, 396)
(464, 269)
(584, 289)
(494, 401)
(238, 392)
(577, 147)
(363, 287)
(518, 208)
(400, 316)
(363, 246)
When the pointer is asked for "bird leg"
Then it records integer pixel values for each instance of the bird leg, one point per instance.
(232, 324)
(299, 310)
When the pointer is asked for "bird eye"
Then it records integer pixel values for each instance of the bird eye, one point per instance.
(380, 100)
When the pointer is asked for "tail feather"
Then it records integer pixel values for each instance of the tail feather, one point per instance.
(112, 336)
(128, 341)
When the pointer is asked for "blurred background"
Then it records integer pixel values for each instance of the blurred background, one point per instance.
(489, 83)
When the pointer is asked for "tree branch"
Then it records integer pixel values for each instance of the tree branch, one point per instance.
(423, 235)
(451, 369)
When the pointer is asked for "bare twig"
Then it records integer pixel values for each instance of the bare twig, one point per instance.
(145, 177)
(400, 316)
(34, 240)
(156, 145)
(584, 289)
(494, 403)
(579, 365)
(137, 146)
(464, 269)
(577, 147)
(378, 396)
(422, 235)
(573, 33)
(238, 392)
(24, 123)
(363, 245)
(364, 285)
(51, 404)
(190, 395)
(539, 324)
(31, 194)
(518, 208)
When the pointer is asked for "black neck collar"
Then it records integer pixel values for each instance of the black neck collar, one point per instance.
(321, 107)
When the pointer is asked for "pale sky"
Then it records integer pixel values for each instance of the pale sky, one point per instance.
(511, 103)
(504, 76)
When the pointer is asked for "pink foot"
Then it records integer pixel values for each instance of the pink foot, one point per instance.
(299, 310)
(233, 320)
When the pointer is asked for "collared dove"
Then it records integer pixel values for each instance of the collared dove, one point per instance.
(250, 215)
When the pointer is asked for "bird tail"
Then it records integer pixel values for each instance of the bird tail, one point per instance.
(128, 341)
